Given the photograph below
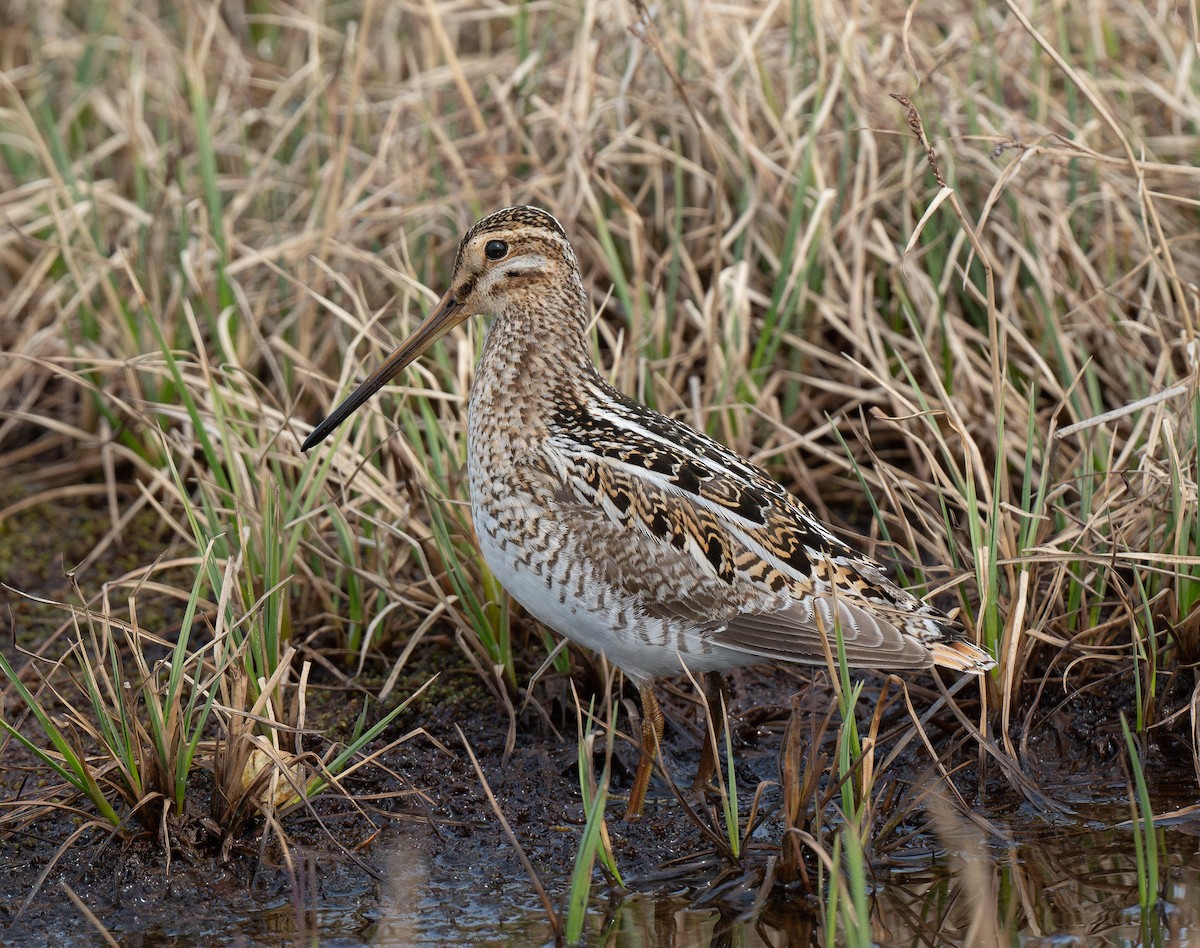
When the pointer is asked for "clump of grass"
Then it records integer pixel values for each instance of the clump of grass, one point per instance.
(846, 897)
(595, 842)
(127, 734)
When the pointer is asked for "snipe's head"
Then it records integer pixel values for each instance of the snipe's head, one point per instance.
(517, 254)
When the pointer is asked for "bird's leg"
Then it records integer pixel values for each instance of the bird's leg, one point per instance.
(652, 731)
(714, 692)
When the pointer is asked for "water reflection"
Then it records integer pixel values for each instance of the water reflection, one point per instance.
(1050, 888)
(674, 923)
(1062, 887)
(1046, 887)
(406, 880)
(418, 907)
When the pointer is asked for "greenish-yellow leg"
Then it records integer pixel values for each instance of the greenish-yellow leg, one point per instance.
(652, 731)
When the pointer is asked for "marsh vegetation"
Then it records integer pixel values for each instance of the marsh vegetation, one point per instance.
(935, 268)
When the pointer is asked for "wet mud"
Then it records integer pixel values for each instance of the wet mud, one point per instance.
(417, 855)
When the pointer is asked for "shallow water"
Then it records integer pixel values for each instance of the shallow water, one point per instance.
(1060, 886)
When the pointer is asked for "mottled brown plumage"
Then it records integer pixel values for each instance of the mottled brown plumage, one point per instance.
(630, 532)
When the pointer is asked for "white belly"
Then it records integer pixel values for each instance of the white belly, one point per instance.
(554, 583)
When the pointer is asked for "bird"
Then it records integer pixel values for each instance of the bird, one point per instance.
(628, 531)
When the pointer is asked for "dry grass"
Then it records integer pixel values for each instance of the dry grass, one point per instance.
(215, 215)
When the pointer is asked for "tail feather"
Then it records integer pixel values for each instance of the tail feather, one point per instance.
(961, 655)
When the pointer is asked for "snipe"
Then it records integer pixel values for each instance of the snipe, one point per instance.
(627, 531)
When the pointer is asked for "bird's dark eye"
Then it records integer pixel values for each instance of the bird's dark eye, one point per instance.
(495, 250)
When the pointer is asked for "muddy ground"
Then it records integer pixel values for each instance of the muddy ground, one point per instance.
(420, 856)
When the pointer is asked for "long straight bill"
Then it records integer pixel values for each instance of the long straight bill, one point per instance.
(445, 316)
